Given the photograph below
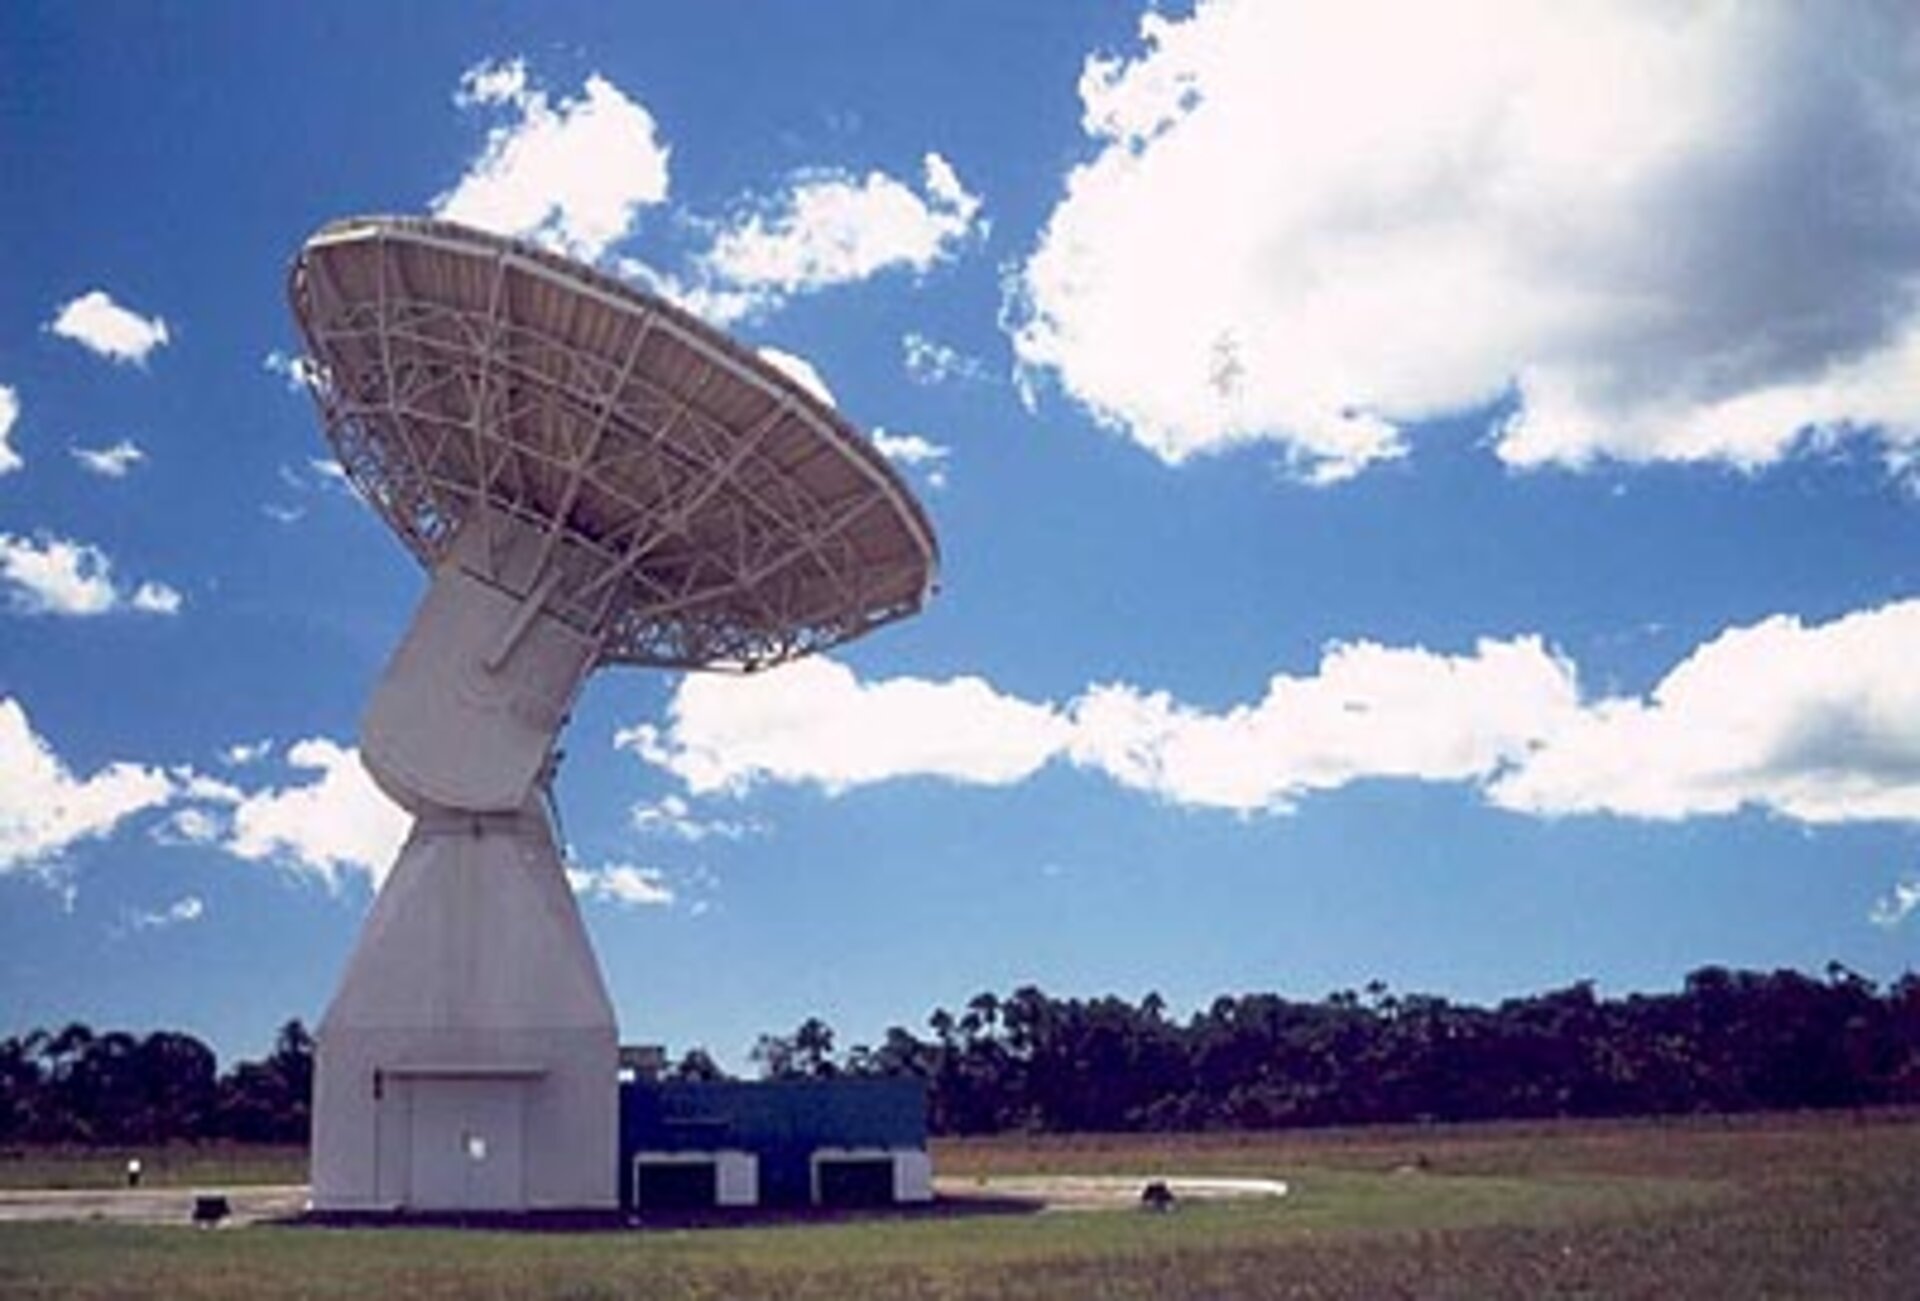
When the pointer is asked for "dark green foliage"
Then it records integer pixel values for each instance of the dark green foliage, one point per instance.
(1728, 1041)
(76, 1086)
(696, 1066)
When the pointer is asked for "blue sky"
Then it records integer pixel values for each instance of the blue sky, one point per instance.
(1433, 505)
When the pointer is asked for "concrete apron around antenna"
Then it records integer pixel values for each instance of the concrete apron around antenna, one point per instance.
(469, 1058)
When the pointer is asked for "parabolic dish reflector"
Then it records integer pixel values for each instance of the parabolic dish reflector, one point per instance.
(695, 507)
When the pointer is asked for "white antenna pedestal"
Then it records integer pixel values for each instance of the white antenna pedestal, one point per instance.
(469, 1059)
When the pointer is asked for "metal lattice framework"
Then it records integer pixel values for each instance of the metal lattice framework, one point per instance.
(697, 508)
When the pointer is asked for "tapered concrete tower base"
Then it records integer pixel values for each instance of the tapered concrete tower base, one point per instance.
(469, 1059)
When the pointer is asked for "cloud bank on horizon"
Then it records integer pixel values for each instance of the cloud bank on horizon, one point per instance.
(1817, 724)
(1814, 724)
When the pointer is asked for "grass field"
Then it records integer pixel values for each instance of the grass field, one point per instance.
(1817, 1207)
(182, 1166)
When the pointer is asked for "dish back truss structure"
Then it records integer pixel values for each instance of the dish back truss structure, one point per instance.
(701, 510)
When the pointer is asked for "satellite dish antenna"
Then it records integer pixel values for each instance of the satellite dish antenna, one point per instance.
(590, 476)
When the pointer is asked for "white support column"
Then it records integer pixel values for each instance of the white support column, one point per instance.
(469, 1059)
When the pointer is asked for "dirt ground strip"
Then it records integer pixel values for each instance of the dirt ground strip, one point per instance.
(246, 1205)
(250, 1205)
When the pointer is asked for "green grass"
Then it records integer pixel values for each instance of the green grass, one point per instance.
(980, 1255)
(1789, 1207)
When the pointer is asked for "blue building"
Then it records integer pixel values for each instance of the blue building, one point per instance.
(843, 1142)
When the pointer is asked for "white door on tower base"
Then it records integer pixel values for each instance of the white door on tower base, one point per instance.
(467, 1144)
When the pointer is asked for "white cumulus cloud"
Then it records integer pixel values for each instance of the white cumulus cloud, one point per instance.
(329, 473)
(815, 721)
(106, 329)
(914, 452)
(323, 475)
(831, 227)
(1815, 723)
(52, 575)
(335, 822)
(1369, 711)
(242, 753)
(623, 884)
(109, 462)
(718, 304)
(1897, 904)
(929, 361)
(45, 808)
(800, 371)
(156, 598)
(181, 911)
(572, 174)
(1680, 232)
(1818, 723)
(672, 817)
(908, 449)
(9, 413)
(193, 825)
(297, 372)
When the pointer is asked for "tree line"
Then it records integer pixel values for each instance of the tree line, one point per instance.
(1726, 1041)
(115, 1088)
